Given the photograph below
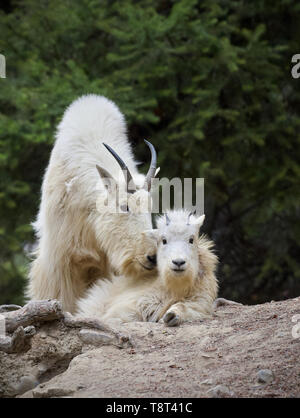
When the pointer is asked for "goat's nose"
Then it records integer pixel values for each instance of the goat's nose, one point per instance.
(152, 258)
(178, 262)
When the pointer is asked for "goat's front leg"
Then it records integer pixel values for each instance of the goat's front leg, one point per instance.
(171, 318)
(187, 311)
(151, 308)
(175, 315)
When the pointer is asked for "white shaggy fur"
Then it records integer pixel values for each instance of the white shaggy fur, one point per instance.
(180, 293)
(76, 243)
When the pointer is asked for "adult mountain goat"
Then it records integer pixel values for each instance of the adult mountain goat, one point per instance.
(77, 241)
(184, 290)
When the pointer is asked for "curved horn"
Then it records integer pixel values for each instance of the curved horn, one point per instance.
(192, 213)
(127, 176)
(152, 169)
(168, 220)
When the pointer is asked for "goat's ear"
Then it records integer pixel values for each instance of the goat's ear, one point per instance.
(197, 221)
(151, 233)
(103, 173)
(106, 177)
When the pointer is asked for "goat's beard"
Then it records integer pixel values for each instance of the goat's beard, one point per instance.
(178, 283)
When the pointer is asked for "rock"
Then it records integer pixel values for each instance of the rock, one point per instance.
(93, 337)
(26, 383)
(206, 382)
(51, 392)
(265, 376)
(42, 368)
(220, 391)
(64, 370)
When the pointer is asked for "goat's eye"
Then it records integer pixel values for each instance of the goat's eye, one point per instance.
(191, 240)
(164, 241)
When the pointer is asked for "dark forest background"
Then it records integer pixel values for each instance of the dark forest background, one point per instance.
(207, 82)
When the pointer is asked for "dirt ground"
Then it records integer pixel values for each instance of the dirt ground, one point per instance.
(220, 357)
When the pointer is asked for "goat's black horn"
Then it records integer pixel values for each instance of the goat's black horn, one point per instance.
(168, 220)
(152, 169)
(190, 214)
(127, 176)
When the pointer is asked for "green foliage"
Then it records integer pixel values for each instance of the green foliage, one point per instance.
(208, 83)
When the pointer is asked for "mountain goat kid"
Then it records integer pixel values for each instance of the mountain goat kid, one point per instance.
(80, 238)
(184, 290)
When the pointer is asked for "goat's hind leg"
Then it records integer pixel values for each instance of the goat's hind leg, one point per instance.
(90, 331)
(224, 302)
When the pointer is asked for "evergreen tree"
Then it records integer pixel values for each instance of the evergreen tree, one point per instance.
(208, 82)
